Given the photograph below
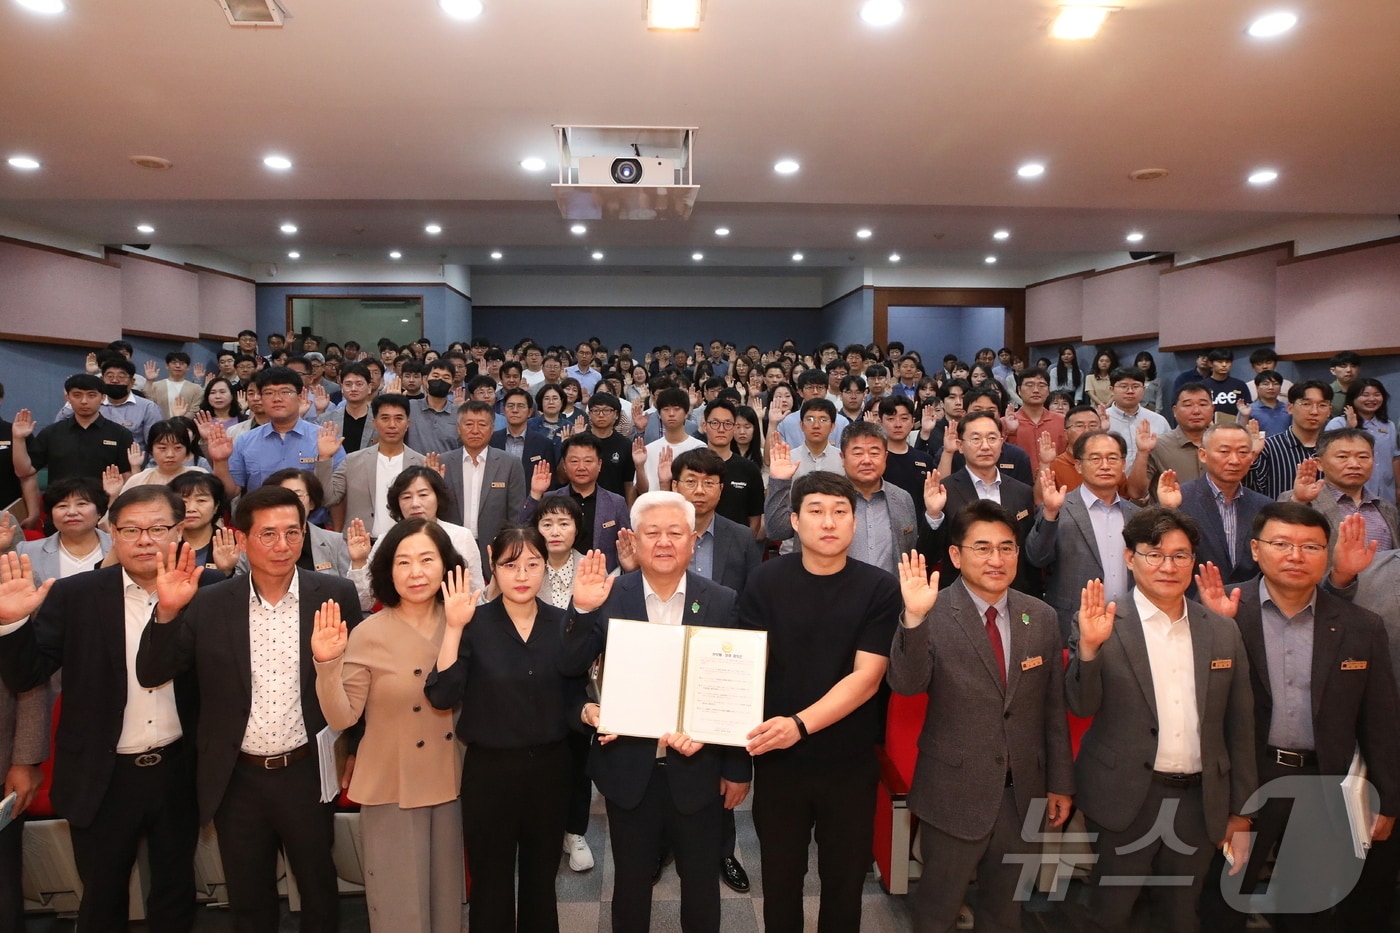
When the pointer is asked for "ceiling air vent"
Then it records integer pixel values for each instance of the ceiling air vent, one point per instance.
(266, 13)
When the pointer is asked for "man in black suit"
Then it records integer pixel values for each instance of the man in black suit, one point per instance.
(123, 769)
(1323, 686)
(666, 790)
(248, 638)
(980, 442)
(531, 448)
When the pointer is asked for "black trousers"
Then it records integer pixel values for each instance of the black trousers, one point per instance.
(1369, 905)
(514, 803)
(12, 877)
(637, 838)
(155, 802)
(580, 787)
(836, 799)
(263, 811)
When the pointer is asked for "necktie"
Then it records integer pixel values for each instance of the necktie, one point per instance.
(994, 636)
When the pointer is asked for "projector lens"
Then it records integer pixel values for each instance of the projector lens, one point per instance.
(626, 171)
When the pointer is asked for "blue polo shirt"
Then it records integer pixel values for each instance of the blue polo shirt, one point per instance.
(259, 453)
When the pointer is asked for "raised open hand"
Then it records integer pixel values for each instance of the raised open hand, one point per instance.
(1146, 440)
(919, 589)
(1052, 497)
(303, 403)
(198, 376)
(8, 527)
(23, 425)
(329, 634)
(225, 550)
(112, 481)
(626, 550)
(591, 582)
(540, 479)
(1352, 552)
(321, 399)
(1045, 448)
(459, 395)
(328, 441)
(177, 580)
(179, 406)
(1095, 619)
(217, 444)
(663, 467)
(1210, 590)
(780, 462)
(1168, 490)
(151, 371)
(134, 457)
(357, 542)
(1307, 484)
(19, 597)
(458, 598)
(951, 443)
(928, 419)
(90, 364)
(935, 496)
(639, 453)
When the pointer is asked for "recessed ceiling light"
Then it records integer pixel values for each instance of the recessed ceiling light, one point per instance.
(403, 320)
(461, 9)
(785, 166)
(395, 254)
(432, 229)
(881, 12)
(1031, 170)
(796, 257)
(721, 231)
(598, 254)
(1080, 21)
(863, 233)
(145, 228)
(496, 254)
(48, 7)
(294, 255)
(1134, 237)
(288, 228)
(1272, 24)
(1263, 177)
(277, 162)
(674, 14)
(697, 256)
(578, 229)
(1002, 235)
(894, 257)
(990, 260)
(24, 163)
(532, 164)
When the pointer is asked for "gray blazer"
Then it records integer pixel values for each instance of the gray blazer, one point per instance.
(736, 554)
(1115, 760)
(1066, 550)
(353, 482)
(44, 558)
(976, 730)
(1326, 503)
(503, 490)
(904, 523)
(336, 416)
(1376, 590)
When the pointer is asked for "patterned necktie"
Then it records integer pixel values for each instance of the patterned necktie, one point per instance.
(994, 636)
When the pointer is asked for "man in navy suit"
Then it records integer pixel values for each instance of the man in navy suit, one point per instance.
(675, 788)
(604, 513)
(1219, 501)
(531, 448)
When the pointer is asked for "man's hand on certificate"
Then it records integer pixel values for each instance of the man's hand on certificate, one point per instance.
(680, 742)
(776, 733)
(590, 714)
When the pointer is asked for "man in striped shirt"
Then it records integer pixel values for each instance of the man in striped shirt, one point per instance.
(1274, 469)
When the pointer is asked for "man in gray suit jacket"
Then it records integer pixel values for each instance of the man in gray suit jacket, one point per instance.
(1077, 536)
(497, 489)
(352, 490)
(995, 739)
(1346, 458)
(1168, 763)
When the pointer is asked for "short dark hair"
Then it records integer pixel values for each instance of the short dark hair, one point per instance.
(278, 376)
(962, 385)
(173, 429)
(118, 362)
(986, 390)
(83, 382)
(673, 398)
(890, 405)
(1263, 355)
(381, 566)
(851, 382)
(314, 490)
(1194, 386)
(480, 382)
(581, 440)
(1299, 390)
(1328, 438)
(177, 356)
(1289, 513)
(406, 478)
(560, 503)
(978, 416)
(721, 404)
(142, 495)
(1268, 375)
(391, 400)
(267, 496)
(700, 460)
(862, 428)
(1030, 373)
(1083, 441)
(357, 369)
(512, 540)
(822, 483)
(194, 481)
(980, 510)
(1220, 355)
(810, 377)
(87, 488)
(1151, 523)
(822, 405)
(522, 393)
(1124, 373)
(1345, 358)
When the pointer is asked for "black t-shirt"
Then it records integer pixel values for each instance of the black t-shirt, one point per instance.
(742, 497)
(815, 626)
(69, 449)
(353, 431)
(908, 471)
(618, 468)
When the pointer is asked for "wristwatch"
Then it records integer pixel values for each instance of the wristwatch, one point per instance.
(801, 726)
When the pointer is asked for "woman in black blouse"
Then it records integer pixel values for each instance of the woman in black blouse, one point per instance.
(502, 667)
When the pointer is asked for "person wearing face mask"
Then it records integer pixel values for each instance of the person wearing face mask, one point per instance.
(432, 420)
(133, 412)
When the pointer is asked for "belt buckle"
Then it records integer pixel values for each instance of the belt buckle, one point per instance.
(276, 761)
(148, 759)
(1289, 759)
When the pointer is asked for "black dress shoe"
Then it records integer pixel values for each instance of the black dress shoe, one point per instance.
(733, 874)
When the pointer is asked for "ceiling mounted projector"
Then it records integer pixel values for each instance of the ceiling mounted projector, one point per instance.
(625, 172)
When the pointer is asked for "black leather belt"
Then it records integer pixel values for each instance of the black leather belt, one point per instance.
(1293, 759)
(1176, 779)
(276, 762)
(152, 756)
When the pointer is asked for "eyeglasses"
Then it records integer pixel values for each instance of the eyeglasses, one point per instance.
(280, 393)
(1282, 548)
(1310, 403)
(815, 419)
(269, 538)
(691, 484)
(134, 532)
(1155, 558)
(720, 425)
(1005, 549)
(1097, 459)
(516, 406)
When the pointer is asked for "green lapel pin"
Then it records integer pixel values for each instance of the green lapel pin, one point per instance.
(694, 608)
(1025, 618)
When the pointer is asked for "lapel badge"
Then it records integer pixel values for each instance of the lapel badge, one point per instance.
(1025, 618)
(694, 608)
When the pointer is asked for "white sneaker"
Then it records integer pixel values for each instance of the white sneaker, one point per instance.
(576, 848)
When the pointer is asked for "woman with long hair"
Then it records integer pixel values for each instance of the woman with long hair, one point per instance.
(748, 435)
(221, 401)
(1368, 407)
(1151, 385)
(1065, 374)
(1097, 389)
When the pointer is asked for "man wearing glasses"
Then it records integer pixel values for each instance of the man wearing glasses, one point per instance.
(1078, 535)
(123, 770)
(258, 775)
(1164, 771)
(741, 499)
(811, 385)
(1273, 471)
(531, 448)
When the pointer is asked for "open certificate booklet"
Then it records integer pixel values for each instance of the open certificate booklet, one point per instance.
(705, 682)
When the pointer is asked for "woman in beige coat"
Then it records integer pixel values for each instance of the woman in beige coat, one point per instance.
(409, 765)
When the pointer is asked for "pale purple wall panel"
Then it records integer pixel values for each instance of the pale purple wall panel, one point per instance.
(1055, 311)
(1343, 301)
(58, 297)
(1121, 303)
(1231, 301)
(226, 305)
(159, 299)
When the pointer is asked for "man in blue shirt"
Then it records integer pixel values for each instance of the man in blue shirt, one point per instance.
(285, 441)
(582, 369)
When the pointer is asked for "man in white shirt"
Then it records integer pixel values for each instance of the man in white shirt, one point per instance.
(164, 391)
(672, 408)
(1127, 412)
(533, 373)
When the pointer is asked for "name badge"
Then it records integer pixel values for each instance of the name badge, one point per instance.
(324, 566)
(110, 443)
(1006, 466)
(536, 458)
(1022, 514)
(1029, 663)
(1222, 664)
(907, 530)
(307, 460)
(1354, 665)
(498, 485)
(609, 524)
(4, 445)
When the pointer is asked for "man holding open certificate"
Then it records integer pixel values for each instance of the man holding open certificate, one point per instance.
(673, 662)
